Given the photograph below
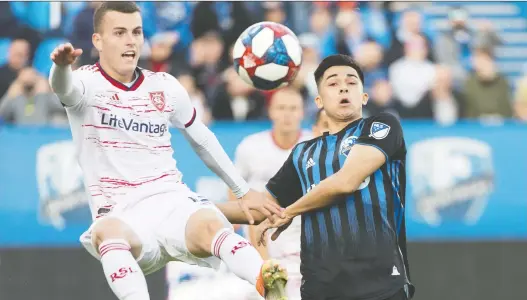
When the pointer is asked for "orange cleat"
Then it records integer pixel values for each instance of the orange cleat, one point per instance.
(272, 280)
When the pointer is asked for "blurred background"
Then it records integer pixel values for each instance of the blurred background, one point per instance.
(455, 73)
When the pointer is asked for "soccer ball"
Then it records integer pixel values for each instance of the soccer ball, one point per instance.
(267, 55)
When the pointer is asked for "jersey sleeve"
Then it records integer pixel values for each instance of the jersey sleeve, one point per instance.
(383, 132)
(285, 185)
(184, 113)
(70, 86)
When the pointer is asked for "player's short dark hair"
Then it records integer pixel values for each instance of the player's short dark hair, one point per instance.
(337, 60)
(126, 7)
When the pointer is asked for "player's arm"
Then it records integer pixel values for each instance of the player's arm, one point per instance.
(69, 89)
(285, 186)
(368, 154)
(205, 143)
(241, 162)
(209, 149)
(235, 215)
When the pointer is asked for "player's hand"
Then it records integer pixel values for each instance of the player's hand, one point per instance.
(280, 223)
(257, 201)
(65, 54)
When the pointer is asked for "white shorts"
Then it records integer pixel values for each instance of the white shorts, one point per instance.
(160, 221)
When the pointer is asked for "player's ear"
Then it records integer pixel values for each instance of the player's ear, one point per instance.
(97, 41)
(318, 102)
(365, 98)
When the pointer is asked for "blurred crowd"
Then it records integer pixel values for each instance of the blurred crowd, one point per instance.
(409, 70)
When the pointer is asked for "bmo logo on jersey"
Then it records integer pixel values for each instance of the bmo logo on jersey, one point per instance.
(132, 124)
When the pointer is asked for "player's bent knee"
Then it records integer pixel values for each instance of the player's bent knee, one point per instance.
(201, 228)
(112, 228)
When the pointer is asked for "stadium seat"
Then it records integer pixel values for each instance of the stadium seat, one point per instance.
(42, 63)
(4, 50)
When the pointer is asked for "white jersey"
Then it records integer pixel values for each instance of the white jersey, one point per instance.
(122, 134)
(258, 158)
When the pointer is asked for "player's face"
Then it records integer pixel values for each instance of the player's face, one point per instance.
(120, 41)
(341, 93)
(286, 111)
(322, 125)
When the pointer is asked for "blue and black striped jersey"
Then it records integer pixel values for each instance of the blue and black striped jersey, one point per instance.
(355, 248)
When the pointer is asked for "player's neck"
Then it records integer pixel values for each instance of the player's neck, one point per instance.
(336, 126)
(285, 140)
(116, 76)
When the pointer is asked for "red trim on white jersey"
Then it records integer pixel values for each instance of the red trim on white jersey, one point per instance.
(120, 85)
(191, 119)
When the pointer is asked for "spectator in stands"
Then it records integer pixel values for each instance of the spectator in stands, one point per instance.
(204, 19)
(411, 25)
(305, 79)
(486, 92)
(351, 33)
(376, 22)
(29, 100)
(520, 99)
(170, 21)
(411, 77)
(321, 25)
(159, 58)
(381, 99)
(17, 59)
(274, 12)
(452, 48)
(42, 16)
(446, 102)
(196, 97)
(369, 56)
(207, 63)
(236, 100)
(240, 19)
(14, 30)
(82, 32)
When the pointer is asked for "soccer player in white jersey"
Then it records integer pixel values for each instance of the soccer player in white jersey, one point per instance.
(144, 216)
(259, 156)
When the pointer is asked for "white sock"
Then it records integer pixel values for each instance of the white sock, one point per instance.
(125, 277)
(240, 257)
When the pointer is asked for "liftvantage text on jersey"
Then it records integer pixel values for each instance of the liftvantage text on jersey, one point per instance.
(131, 124)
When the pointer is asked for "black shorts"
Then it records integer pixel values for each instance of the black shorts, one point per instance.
(400, 295)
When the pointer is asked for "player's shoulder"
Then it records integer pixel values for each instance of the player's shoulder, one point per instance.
(385, 118)
(257, 138)
(305, 144)
(167, 80)
(158, 76)
(88, 71)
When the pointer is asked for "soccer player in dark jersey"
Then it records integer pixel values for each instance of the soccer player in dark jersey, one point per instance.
(349, 187)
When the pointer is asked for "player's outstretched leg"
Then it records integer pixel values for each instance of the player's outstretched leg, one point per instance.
(206, 234)
(117, 246)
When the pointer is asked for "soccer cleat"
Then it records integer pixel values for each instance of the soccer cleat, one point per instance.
(272, 280)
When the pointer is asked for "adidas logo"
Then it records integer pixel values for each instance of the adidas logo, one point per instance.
(115, 97)
(395, 272)
(310, 163)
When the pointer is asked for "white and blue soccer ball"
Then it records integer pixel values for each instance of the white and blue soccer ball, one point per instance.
(267, 55)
